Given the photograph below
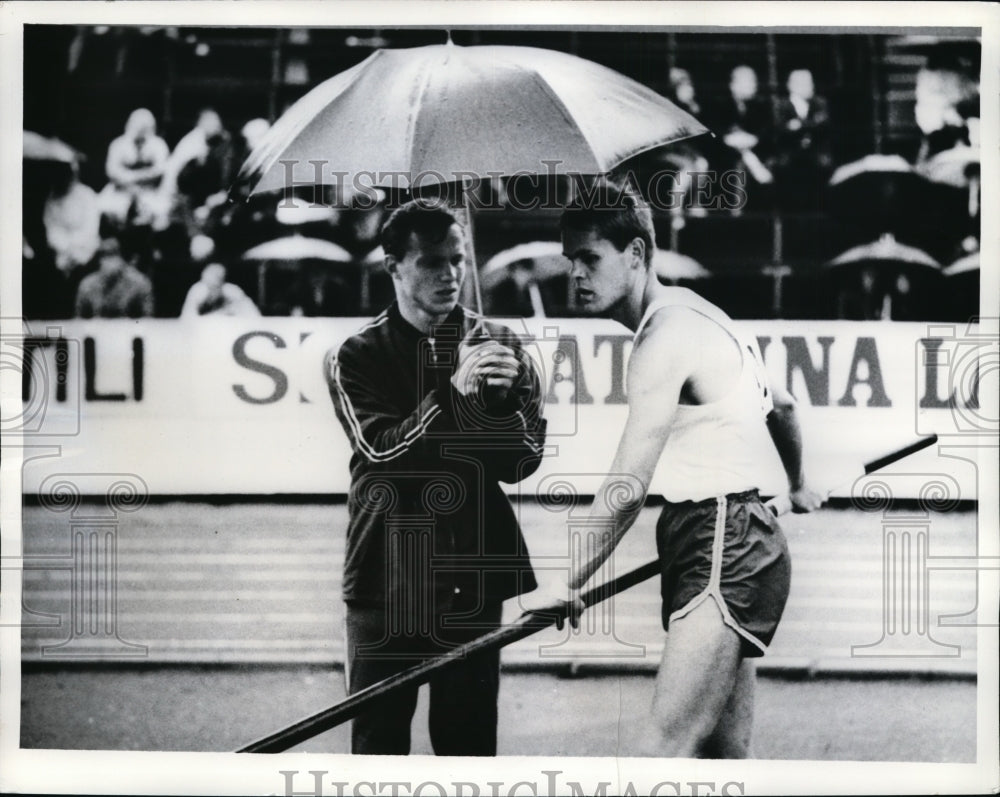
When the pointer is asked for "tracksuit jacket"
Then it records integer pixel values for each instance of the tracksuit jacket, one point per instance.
(428, 519)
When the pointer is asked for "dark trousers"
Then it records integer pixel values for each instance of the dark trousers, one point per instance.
(463, 696)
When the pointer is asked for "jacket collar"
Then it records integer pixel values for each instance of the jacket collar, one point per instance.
(452, 327)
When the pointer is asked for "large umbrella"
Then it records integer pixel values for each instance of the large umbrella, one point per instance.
(445, 114)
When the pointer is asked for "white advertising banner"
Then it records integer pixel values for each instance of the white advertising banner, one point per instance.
(241, 406)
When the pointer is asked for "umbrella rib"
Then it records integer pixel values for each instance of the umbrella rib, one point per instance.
(567, 114)
(603, 168)
(411, 133)
(663, 142)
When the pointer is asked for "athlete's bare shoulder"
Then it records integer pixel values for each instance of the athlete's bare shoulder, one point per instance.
(686, 343)
(662, 356)
(679, 329)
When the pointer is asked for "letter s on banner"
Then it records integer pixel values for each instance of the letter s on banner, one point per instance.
(275, 374)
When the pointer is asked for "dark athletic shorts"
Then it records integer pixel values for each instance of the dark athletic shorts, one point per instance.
(729, 549)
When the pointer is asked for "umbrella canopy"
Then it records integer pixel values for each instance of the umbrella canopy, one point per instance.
(425, 115)
(298, 247)
(38, 147)
(885, 250)
(546, 261)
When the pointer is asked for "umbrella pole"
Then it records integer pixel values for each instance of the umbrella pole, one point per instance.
(473, 265)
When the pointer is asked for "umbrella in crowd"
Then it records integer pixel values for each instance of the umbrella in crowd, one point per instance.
(291, 249)
(40, 148)
(883, 190)
(545, 258)
(299, 247)
(374, 258)
(964, 265)
(885, 279)
(296, 213)
(884, 251)
(963, 287)
(673, 267)
(543, 261)
(956, 167)
(443, 113)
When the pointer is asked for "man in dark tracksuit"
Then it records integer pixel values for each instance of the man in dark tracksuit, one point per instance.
(439, 406)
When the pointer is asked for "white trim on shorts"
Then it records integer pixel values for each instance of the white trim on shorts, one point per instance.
(347, 655)
(714, 580)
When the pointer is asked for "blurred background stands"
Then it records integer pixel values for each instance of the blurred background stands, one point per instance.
(770, 256)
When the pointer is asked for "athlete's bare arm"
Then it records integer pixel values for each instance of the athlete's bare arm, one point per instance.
(679, 353)
(680, 356)
(783, 426)
(657, 372)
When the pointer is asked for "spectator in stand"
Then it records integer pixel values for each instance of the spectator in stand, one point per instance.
(947, 103)
(252, 133)
(240, 225)
(802, 160)
(72, 221)
(212, 295)
(742, 121)
(116, 290)
(947, 112)
(134, 166)
(359, 223)
(683, 157)
(199, 172)
(320, 291)
(45, 293)
(682, 91)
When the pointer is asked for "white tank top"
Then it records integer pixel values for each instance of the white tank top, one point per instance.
(714, 449)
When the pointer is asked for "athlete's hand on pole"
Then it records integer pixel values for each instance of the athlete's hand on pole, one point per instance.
(805, 499)
(555, 597)
(488, 367)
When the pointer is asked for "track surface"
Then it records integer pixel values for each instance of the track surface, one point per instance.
(260, 582)
(253, 589)
(220, 709)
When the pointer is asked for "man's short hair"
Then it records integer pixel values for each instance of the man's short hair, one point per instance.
(615, 212)
(430, 222)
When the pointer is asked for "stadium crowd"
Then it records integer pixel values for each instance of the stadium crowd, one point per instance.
(161, 238)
